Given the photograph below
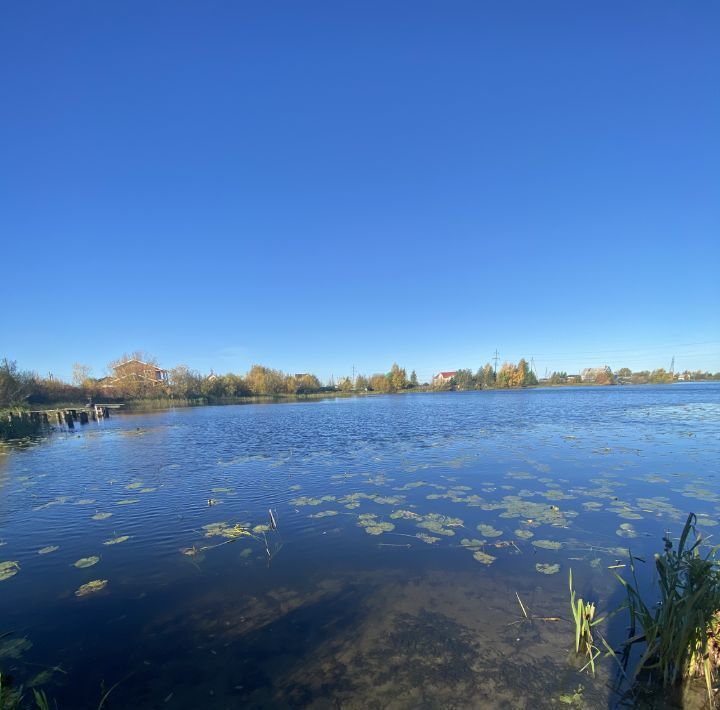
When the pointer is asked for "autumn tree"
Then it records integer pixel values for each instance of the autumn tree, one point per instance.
(81, 374)
(624, 372)
(397, 377)
(379, 383)
(413, 379)
(361, 383)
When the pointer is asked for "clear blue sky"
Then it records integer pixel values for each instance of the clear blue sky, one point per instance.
(312, 185)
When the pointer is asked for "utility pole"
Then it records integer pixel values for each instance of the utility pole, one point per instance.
(672, 366)
(496, 358)
(353, 374)
(532, 366)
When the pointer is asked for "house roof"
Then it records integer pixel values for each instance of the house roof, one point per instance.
(447, 375)
(139, 362)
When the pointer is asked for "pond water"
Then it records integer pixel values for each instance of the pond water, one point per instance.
(406, 526)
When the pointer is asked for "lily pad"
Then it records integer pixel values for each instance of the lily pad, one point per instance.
(102, 516)
(87, 562)
(524, 534)
(428, 539)
(488, 530)
(626, 530)
(91, 587)
(116, 540)
(324, 514)
(547, 544)
(127, 501)
(47, 550)
(544, 568)
(8, 569)
(483, 557)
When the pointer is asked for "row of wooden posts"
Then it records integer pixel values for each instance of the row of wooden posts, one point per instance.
(68, 417)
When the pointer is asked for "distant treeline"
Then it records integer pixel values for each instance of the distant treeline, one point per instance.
(138, 377)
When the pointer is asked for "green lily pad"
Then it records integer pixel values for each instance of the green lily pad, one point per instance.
(87, 562)
(102, 516)
(524, 534)
(91, 587)
(324, 514)
(483, 557)
(8, 569)
(428, 539)
(116, 540)
(488, 530)
(626, 530)
(127, 501)
(547, 568)
(47, 550)
(547, 544)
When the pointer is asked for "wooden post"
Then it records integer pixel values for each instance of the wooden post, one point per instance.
(69, 420)
(74, 414)
(106, 412)
(59, 417)
(83, 417)
(45, 419)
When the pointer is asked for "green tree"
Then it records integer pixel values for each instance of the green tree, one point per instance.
(624, 372)
(413, 379)
(488, 375)
(464, 380)
(361, 383)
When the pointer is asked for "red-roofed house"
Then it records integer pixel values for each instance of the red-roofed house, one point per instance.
(442, 378)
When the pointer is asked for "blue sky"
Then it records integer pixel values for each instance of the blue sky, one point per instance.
(319, 185)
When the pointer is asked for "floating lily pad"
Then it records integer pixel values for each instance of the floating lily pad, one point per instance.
(547, 544)
(8, 569)
(127, 501)
(544, 568)
(116, 540)
(305, 500)
(87, 562)
(325, 514)
(488, 530)
(47, 550)
(148, 490)
(133, 486)
(91, 587)
(626, 530)
(428, 539)
(483, 557)
(101, 516)
(524, 534)
(405, 515)
(261, 529)
(85, 501)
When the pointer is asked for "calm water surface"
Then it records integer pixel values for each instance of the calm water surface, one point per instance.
(406, 526)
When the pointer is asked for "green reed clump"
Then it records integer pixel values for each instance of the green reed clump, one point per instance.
(584, 617)
(681, 631)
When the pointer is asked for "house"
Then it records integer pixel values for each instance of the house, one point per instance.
(591, 374)
(442, 378)
(139, 371)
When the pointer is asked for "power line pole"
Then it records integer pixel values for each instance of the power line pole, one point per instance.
(672, 366)
(496, 358)
(353, 374)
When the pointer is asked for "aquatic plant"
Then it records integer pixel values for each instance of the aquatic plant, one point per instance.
(681, 633)
(585, 621)
(8, 569)
(95, 585)
(546, 568)
(87, 562)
